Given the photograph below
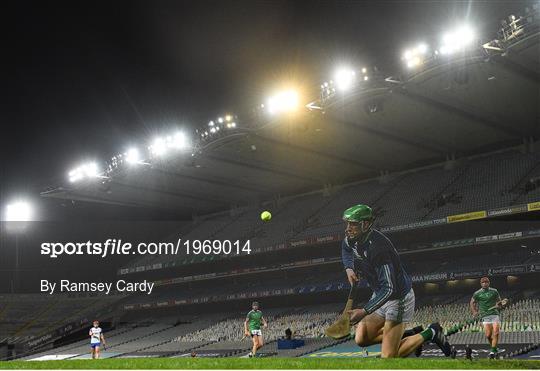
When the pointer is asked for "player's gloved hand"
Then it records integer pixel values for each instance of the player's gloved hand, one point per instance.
(351, 276)
(356, 315)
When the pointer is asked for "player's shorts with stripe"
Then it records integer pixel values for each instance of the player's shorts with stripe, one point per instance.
(94, 345)
(493, 318)
(399, 310)
(256, 333)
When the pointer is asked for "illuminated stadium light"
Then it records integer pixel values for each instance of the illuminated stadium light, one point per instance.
(364, 70)
(212, 130)
(75, 175)
(178, 141)
(285, 101)
(211, 123)
(86, 171)
(220, 120)
(90, 170)
(366, 78)
(158, 147)
(416, 56)
(457, 40)
(19, 211)
(422, 48)
(133, 156)
(228, 118)
(344, 79)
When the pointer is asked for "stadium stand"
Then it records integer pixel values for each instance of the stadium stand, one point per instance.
(477, 183)
(214, 334)
(25, 316)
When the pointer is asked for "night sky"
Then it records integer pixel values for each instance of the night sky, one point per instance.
(84, 79)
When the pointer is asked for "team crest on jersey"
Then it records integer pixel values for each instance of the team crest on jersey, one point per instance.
(357, 255)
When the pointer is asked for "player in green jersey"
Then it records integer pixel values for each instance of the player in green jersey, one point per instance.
(252, 327)
(486, 303)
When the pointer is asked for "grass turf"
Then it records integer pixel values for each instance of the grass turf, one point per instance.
(271, 363)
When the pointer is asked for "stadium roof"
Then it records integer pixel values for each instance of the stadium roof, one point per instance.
(461, 107)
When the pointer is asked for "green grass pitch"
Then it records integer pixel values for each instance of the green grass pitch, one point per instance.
(272, 363)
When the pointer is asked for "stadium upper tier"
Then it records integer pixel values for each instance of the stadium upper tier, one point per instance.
(454, 105)
(481, 183)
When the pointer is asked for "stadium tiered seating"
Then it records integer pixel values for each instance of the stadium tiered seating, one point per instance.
(463, 263)
(307, 324)
(328, 219)
(414, 195)
(214, 334)
(521, 316)
(143, 338)
(474, 184)
(475, 338)
(82, 346)
(487, 182)
(25, 316)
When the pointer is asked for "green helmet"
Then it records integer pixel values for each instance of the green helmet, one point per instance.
(358, 213)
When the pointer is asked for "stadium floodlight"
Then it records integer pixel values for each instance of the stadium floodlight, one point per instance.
(364, 70)
(344, 78)
(212, 130)
(220, 120)
(228, 118)
(87, 170)
(414, 57)
(75, 175)
(457, 40)
(178, 141)
(285, 101)
(158, 147)
(211, 123)
(90, 170)
(133, 156)
(19, 211)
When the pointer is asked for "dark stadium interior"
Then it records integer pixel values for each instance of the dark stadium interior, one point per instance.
(444, 147)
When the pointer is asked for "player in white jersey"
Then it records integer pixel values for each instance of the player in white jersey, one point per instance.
(96, 339)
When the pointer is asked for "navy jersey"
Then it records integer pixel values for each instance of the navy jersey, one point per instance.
(378, 262)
